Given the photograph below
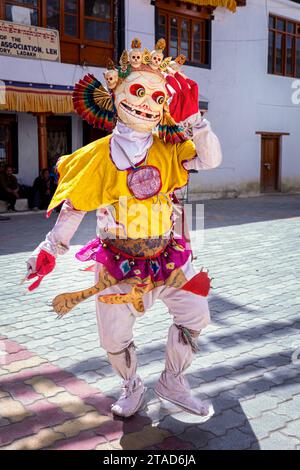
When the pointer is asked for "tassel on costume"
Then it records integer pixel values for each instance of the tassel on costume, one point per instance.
(187, 336)
(168, 130)
(127, 353)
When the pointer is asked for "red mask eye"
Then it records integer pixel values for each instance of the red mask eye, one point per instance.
(137, 90)
(158, 97)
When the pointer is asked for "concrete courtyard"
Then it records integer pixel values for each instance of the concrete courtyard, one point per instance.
(56, 385)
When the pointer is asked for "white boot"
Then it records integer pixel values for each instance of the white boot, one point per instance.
(173, 385)
(131, 399)
(133, 391)
(177, 391)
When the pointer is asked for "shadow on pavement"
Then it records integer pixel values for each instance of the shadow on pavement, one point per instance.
(228, 212)
(222, 431)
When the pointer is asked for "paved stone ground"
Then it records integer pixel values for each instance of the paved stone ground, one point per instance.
(56, 385)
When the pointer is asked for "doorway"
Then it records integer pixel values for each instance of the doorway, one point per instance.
(9, 141)
(270, 163)
(59, 138)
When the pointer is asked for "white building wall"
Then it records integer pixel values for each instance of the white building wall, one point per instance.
(243, 97)
(43, 71)
(263, 101)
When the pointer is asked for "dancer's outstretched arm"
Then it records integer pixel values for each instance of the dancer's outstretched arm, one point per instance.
(42, 261)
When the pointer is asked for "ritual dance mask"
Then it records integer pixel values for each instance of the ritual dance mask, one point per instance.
(136, 93)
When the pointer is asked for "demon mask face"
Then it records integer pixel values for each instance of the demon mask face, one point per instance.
(136, 93)
(140, 99)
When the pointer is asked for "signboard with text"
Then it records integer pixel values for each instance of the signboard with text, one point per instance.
(31, 42)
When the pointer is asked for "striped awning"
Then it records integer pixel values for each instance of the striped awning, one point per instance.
(35, 97)
(230, 4)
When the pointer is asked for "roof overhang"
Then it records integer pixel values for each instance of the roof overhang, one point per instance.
(35, 97)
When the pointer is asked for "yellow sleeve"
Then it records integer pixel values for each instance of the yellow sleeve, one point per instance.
(81, 176)
(172, 156)
(186, 151)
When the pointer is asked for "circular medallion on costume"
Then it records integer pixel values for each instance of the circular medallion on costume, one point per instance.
(144, 182)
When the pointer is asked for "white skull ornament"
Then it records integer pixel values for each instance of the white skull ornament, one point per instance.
(135, 57)
(111, 78)
(156, 59)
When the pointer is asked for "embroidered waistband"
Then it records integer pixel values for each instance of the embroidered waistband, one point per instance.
(140, 248)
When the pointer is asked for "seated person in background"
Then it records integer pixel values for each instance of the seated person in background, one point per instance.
(9, 187)
(43, 189)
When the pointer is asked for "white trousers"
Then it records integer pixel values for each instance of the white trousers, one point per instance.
(115, 322)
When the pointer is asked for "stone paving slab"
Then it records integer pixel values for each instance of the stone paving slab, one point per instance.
(56, 385)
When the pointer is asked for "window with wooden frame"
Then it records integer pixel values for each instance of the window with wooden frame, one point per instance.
(9, 141)
(86, 27)
(284, 47)
(21, 11)
(187, 30)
